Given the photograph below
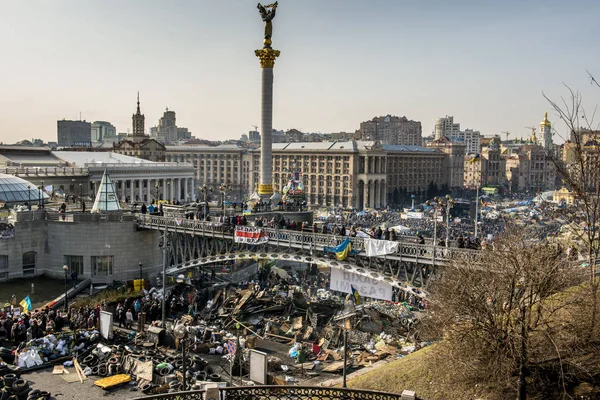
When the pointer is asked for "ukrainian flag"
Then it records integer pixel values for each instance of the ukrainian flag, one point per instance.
(341, 251)
(26, 304)
(356, 296)
(475, 159)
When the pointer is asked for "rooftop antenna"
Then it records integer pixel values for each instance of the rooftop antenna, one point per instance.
(255, 127)
(80, 115)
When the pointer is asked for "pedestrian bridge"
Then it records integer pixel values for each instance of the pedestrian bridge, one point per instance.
(194, 243)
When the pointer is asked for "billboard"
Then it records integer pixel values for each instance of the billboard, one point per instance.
(342, 281)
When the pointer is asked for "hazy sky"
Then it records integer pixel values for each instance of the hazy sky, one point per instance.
(342, 62)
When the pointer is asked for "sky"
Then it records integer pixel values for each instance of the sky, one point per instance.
(486, 62)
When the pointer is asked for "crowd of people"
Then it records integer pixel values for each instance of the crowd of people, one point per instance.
(17, 328)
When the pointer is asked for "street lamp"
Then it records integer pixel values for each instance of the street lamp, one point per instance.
(449, 205)
(140, 264)
(29, 197)
(66, 269)
(224, 189)
(205, 189)
(41, 195)
(180, 332)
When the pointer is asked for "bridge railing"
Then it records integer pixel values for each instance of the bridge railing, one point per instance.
(303, 239)
(281, 393)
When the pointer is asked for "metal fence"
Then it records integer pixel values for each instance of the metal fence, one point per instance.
(281, 393)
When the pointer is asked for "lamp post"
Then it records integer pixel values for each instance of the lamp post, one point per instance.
(164, 280)
(180, 332)
(29, 197)
(66, 269)
(224, 189)
(140, 264)
(449, 205)
(41, 194)
(205, 189)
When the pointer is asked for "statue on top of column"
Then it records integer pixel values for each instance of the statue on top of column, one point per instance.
(267, 14)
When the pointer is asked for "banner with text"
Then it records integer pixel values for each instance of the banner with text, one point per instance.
(342, 281)
(250, 235)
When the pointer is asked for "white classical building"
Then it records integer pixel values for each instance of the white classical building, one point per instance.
(135, 179)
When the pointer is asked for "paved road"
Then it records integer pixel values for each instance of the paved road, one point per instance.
(61, 390)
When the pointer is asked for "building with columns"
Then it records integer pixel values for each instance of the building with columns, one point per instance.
(214, 165)
(135, 180)
(354, 174)
(79, 173)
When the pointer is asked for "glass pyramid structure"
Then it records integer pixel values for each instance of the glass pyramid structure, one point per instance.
(106, 198)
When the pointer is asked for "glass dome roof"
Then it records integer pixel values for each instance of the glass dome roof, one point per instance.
(14, 190)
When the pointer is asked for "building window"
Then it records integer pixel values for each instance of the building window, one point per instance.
(75, 264)
(3, 267)
(102, 265)
(29, 263)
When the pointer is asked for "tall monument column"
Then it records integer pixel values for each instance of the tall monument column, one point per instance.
(267, 58)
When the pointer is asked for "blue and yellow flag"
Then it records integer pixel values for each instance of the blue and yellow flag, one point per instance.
(26, 304)
(356, 296)
(342, 250)
(475, 159)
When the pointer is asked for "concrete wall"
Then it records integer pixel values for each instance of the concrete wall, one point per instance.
(52, 240)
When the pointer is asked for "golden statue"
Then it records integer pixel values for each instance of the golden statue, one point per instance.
(267, 13)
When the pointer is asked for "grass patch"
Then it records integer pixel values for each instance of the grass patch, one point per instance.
(110, 296)
(420, 372)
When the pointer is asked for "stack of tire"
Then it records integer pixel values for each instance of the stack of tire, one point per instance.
(14, 388)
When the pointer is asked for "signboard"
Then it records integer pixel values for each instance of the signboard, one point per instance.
(342, 281)
(258, 367)
(250, 235)
(106, 324)
(414, 215)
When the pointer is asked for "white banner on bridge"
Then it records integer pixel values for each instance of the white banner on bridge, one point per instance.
(342, 281)
(250, 235)
(374, 247)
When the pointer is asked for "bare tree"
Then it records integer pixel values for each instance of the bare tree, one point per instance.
(502, 314)
(579, 167)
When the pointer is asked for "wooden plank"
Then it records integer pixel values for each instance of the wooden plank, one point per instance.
(242, 301)
(75, 363)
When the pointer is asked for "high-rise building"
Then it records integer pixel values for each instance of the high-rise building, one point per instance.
(103, 131)
(74, 133)
(183, 134)
(447, 127)
(167, 128)
(392, 130)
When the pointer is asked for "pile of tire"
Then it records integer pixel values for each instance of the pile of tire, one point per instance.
(14, 388)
